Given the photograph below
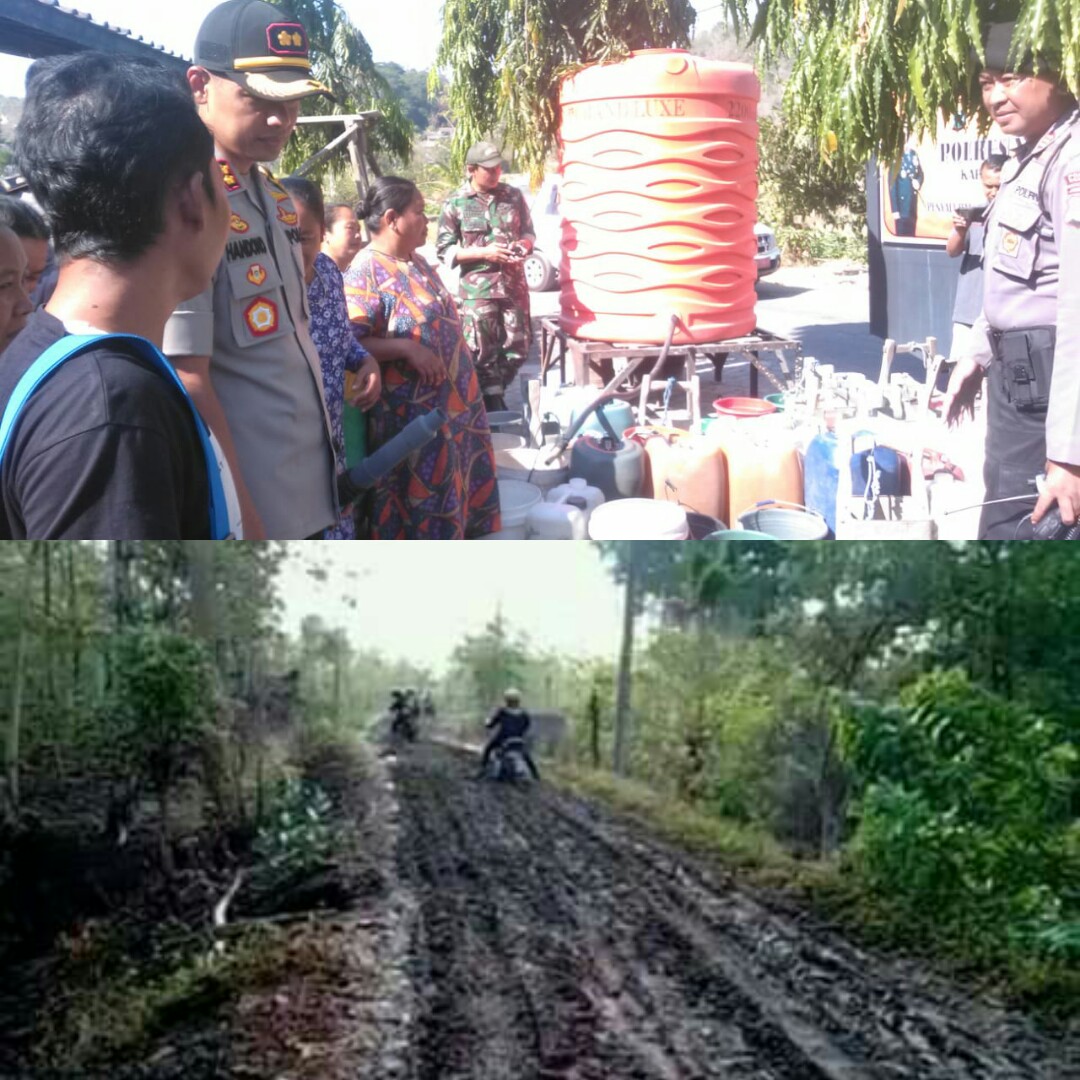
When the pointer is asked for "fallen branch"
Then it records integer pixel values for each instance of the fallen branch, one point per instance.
(221, 908)
(235, 929)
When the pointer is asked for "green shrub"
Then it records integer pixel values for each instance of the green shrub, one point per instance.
(965, 814)
(797, 183)
(299, 835)
(806, 245)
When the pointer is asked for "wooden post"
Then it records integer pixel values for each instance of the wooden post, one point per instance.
(358, 157)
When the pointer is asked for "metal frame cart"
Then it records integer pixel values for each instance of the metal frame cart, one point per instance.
(598, 362)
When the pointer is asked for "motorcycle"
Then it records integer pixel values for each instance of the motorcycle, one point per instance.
(402, 729)
(508, 764)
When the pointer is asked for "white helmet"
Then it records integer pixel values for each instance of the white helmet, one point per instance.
(512, 697)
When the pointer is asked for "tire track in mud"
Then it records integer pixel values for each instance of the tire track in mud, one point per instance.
(554, 944)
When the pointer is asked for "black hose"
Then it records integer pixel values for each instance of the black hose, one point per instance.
(367, 473)
(607, 393)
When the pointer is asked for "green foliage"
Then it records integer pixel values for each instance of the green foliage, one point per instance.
(410, 89)
(492, 661)
(798, 180)
(162, 702)
(342, 60)
(811, 245)
(113, 1006)
(869, 74)
(746, 846)
(966, 810)
(298, 835)
(506, 57)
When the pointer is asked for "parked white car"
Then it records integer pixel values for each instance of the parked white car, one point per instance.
(542, 266)
(767, 256)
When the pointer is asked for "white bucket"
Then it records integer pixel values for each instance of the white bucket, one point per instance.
(785, 521)
(529, 464)
(516, 499)
(557, 521)
(504, 440)
(638, 519)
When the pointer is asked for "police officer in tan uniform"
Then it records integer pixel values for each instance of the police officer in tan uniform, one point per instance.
(1027, 340)
(243, 348)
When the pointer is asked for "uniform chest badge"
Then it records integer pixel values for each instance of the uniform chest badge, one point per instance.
(256, 274)
(227, 174)
(279, 196)
(1010, 243)
(238, 224)
(286, 215)
(261, 317)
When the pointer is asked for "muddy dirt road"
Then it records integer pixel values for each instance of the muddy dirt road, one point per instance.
(553, 943)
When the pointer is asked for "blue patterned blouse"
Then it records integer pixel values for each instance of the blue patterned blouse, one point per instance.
(339, 352)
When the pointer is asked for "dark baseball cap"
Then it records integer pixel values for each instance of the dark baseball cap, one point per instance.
(256, 45)
(484, 153)
(997, 44)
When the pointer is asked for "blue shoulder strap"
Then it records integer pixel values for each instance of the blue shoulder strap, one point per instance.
(75, 344)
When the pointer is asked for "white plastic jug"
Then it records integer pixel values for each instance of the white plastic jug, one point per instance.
(557, 521)
(577, 487)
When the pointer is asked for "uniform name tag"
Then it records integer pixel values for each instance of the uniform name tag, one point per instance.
(1072, 198)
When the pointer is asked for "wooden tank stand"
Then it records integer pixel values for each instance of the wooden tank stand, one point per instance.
(595, 363)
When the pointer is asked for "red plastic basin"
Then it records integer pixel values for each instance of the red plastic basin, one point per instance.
(742, 407)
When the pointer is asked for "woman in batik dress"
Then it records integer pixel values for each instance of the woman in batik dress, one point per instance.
(404, 316)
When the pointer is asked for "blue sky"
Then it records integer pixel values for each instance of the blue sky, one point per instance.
(409, 38)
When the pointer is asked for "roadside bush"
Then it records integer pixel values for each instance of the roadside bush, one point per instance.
(332, 759)
(807, 245)
(965, 815)
(299, 836)
(798, 184)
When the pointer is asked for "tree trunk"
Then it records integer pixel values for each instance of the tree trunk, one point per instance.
(50, 674)
(594, 728)
(827, 811)
(337, 680)
(626, 659)
(15, 725)
(200, 567)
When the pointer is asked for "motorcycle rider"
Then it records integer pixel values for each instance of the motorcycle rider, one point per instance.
(401, 714)
(509, 722)
(427, 704)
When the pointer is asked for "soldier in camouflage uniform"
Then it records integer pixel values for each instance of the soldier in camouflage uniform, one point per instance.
(485, 229)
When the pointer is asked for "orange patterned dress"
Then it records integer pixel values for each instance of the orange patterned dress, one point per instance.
(449, 491)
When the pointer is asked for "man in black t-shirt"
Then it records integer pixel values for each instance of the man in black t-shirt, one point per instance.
(107, 447)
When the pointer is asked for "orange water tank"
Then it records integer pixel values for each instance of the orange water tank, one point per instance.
(659, 164)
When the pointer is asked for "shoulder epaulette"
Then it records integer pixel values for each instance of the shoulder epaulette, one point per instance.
(270, 176)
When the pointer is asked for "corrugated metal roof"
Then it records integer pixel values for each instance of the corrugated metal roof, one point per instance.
(76, 14)
(46, 27)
